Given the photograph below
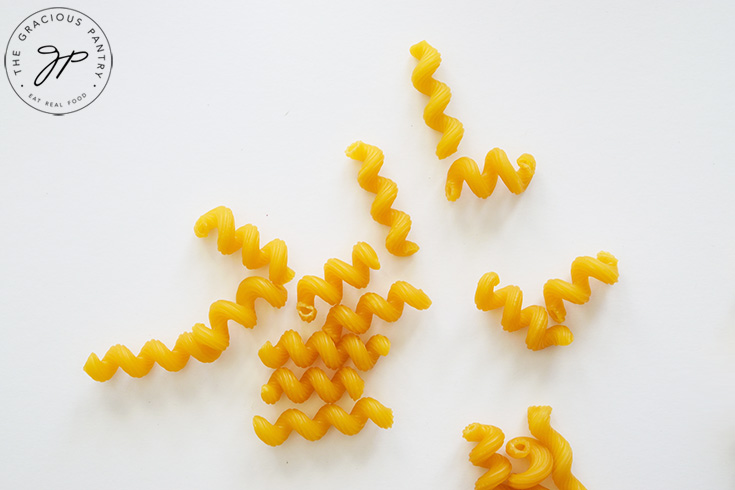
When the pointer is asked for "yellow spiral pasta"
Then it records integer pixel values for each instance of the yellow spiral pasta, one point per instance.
(385, 191)
(283, 380)
(604, 268)
(510, 298)
(321, 346)
(539, 423)
(327, 416)
(336, 272)
(539, 460)
(202, 343)
(388, 309)
(489, 439)
(246, 238)
(506, 487)
(483, 184)
(439, 95)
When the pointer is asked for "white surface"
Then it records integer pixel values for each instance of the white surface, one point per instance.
(628, 111)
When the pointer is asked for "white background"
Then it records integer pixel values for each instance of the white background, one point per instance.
(628, 111)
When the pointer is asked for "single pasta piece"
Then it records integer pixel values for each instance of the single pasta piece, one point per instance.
(283, 380)
(539, 423)
(510, 298)
(489, 439)
(604, 268)
(482, 184)
(506, 487)
(321, 345)
(385, 191)
(202, 343)
(439, 95)
(539, 459)
(246, 238)
(336, 272)
(327, 416)
(387, 309)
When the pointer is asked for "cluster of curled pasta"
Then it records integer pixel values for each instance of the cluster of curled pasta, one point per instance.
(547, 453)
(481, 183)
(339, 345)
(334, 348)
(604, 268)
(206, 344)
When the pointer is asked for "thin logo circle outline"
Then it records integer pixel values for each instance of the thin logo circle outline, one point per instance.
(7, 73)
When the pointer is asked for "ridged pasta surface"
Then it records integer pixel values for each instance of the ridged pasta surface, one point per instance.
(482, 184)
(539, 423)
(439, 95)
(321, 346)
(314, 380)
(515, 317)
(489, 439)
(604, 268)
(336, 272)
(385, 191)
(539, 459)
(328, 416)
(202, 343)
(247, 239)
(388, 309)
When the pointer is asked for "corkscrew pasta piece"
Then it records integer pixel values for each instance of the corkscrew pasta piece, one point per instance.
(483, 184)
(539, 459)
(385, 191)
(283, 380)
(539, 422)
(336, 272)
(247, 239)
(604, 268)
(510, 298)
(327, 416)
(202, 343)
(439, 95)
(388, 309)
(506, 487)
(321, 346)
(489, 439)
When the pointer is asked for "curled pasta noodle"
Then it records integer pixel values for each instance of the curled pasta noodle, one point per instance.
(321, 346)
(247, 239)
(506, 487)
(489, 439)
(510, 298)
(439, 95)
(604, 268)
(388, 309)
(482, 184)
(328, 416)
(539, 458)
(202, 343)
(283, 380)
(385, 191)
(336, 272)
(539, 423)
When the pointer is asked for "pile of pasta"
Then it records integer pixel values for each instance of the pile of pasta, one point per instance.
(330, 360)
(337, 342)
(547, 452)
